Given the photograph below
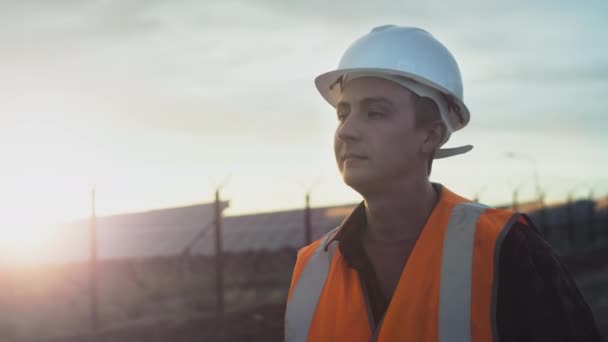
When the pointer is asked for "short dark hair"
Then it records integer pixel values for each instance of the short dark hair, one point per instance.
(427, 112)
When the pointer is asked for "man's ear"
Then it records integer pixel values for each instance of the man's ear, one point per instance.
(435, 132)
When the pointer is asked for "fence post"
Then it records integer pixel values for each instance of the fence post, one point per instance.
(307, 220)
(543, 227)
(219, 275)
(514, 204)
(93, 265)
(570, 221)
(591, 218)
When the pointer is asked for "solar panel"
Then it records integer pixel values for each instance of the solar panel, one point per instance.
(167, 232)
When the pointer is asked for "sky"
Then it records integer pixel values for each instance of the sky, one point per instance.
(156, 103)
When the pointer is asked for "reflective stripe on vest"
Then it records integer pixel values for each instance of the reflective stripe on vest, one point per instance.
(456, 273)
(454, 311)
(303, 301)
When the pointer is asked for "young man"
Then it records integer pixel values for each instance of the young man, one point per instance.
(415, 261)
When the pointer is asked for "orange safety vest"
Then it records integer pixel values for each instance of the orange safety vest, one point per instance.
(447, 290)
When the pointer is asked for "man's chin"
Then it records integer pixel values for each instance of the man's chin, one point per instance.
(358, 181)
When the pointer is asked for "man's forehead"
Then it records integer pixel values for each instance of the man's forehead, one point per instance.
(373, 89)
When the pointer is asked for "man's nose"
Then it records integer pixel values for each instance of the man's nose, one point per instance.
(349, 130)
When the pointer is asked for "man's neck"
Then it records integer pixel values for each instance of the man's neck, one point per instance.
(401, 212)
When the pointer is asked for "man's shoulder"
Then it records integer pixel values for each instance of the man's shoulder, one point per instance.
(498, 219)
(307, 251)
(523, 230)
(527, 258)
(310, 248)
(524, 241)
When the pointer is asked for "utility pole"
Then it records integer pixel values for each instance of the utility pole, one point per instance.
(93, 265)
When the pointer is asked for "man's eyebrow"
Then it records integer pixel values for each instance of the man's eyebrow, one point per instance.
(367, 101)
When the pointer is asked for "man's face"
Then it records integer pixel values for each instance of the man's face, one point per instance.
(376, 142)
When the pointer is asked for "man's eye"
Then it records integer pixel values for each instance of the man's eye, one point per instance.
(374, 114)
(341, 116)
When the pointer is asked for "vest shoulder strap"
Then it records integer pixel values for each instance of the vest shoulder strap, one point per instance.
(303, 302)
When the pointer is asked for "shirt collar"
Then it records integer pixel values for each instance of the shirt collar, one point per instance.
(352, 225)
(356, 221)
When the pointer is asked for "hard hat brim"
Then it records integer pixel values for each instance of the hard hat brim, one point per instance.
(325, 84)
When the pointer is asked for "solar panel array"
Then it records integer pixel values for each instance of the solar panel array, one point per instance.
(136, 235)
(168, 232)
(578, 212)
(273, 231)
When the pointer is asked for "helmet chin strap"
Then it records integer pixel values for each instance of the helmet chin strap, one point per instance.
(448, 152)
(423, 91)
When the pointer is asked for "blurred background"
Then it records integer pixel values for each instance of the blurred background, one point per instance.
(211, 153)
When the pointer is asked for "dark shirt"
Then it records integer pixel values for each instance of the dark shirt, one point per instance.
(537, 299)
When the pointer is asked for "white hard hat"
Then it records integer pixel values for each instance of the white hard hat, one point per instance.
(412, 58)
